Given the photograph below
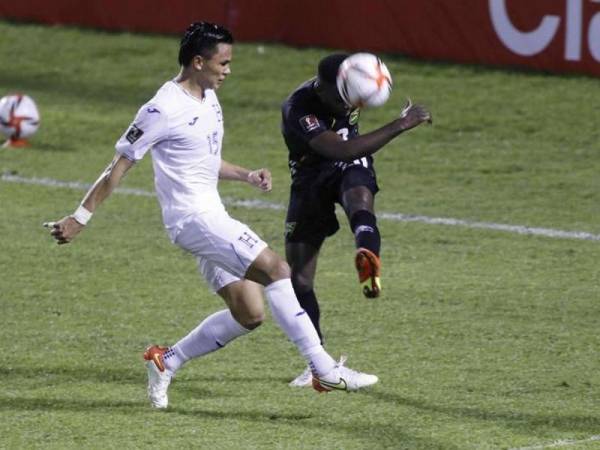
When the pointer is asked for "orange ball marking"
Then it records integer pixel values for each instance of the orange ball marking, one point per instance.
(381, 77)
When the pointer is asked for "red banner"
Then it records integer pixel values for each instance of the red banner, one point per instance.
(551, 35)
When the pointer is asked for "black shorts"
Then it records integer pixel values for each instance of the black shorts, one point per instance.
(311, 210)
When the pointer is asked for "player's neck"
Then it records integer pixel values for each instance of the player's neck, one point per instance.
(190, 85)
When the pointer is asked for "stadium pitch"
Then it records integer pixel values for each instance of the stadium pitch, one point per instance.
(482, 339)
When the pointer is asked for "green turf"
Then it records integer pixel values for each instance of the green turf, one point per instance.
(482, 339)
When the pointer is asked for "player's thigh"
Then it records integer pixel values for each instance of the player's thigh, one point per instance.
(267, 268)
(356, 199)
(221, 240)
(358, 189)
(310, 216)
(215, 276)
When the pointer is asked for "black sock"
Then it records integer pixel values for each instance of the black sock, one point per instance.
(308, 301)
(366, 233)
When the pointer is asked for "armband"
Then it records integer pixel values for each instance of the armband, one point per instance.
(82, 215)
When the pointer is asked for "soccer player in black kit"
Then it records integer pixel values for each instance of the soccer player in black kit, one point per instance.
(331, 163)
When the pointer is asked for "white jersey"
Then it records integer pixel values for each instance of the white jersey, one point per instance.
(185, 135)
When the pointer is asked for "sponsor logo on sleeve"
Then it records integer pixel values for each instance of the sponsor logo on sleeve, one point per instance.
(133, 134)
(354, 115)
(309, 123)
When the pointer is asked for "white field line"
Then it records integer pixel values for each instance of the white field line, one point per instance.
(396, 217)
(560, 443)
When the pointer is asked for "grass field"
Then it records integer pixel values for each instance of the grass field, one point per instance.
(482, 339)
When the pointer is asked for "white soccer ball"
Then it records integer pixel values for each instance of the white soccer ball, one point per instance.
(19, 116)
(363, 80)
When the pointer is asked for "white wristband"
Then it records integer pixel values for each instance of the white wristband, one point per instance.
(82, 215)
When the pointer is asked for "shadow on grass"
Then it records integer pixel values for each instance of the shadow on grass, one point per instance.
(207, 386)
(62, 375)
(253, 416)
(66, 404)
(77, 405)
(204, 386)
(377, 435)
(516, 420)
(381, 435)
(372, 435)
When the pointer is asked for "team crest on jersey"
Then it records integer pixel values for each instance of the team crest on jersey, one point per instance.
(354, 115)
(289, 228)
(309, 123)
(133, 134)
(248, 239)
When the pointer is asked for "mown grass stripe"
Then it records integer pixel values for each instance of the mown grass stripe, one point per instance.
(396, 217)
(560, 443)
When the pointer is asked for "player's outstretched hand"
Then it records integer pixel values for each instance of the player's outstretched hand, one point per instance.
(65, 230)
(260, 178)
(414, 115)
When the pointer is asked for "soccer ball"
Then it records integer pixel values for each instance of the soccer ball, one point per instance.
(19, 116)
(363, 80)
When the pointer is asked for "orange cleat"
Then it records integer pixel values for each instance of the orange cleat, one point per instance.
(368, 266)
(155, 354)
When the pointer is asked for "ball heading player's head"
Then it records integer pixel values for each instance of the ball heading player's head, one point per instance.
(326, 86)
(202, 38)
(329, 67)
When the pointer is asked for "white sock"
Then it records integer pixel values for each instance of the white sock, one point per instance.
(296, 324)
(212, 334)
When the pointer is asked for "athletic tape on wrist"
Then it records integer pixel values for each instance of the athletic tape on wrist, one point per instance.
(82, 215)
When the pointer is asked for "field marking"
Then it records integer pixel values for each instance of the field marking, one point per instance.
(396, 217)
(560, 443)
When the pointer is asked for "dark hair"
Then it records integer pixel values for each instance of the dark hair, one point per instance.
(201, 38)
(329, 66)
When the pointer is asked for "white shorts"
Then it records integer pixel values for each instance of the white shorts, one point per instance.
(224, 247)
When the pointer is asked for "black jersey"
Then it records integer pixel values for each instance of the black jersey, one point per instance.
(305, 117)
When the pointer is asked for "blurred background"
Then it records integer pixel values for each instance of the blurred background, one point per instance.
(486, 334)
(551, 35)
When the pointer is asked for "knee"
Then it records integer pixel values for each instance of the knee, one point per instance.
(253, 321)
(251, 317)
(301, 282)
(267, 268)
(279, 269)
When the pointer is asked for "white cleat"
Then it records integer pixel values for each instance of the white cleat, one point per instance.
(159, 377)
(303, 380)
(158, 384)
(343, 379)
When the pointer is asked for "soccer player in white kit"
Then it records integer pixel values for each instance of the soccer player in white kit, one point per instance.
(182, 125)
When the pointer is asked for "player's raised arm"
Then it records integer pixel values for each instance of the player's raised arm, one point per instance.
(331, 145)
(69, 226)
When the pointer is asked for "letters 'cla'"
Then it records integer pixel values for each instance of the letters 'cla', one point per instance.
(522, 43)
